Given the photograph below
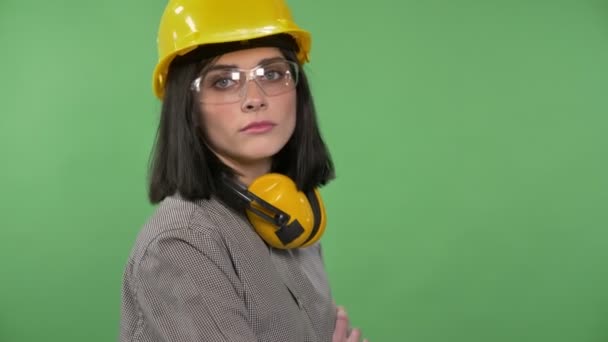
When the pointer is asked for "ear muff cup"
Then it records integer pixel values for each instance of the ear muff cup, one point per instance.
(306, 212)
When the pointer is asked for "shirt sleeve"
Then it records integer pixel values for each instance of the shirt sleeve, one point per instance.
(187, 290)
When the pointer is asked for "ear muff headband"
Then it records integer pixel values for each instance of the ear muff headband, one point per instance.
(269, 212)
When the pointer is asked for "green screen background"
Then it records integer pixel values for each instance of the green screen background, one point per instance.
(470, 138)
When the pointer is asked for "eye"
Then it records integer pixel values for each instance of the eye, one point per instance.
(223, 83)
(273, 75)
(222, 80)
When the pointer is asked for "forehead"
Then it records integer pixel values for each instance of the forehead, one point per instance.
(248, 58)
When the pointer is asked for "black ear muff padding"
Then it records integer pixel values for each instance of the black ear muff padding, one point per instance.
(316, 211)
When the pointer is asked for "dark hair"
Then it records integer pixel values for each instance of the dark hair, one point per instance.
(181, 161)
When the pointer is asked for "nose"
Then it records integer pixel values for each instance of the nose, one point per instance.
(255, 99)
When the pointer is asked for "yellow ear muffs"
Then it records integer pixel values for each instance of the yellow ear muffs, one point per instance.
(283, 216)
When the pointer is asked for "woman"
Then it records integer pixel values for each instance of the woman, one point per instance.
(232, 252)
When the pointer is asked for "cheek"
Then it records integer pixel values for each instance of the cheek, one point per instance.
(292, 124)
(215, 124)
(291, 109)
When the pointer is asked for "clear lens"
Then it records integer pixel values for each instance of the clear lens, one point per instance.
(226, 85)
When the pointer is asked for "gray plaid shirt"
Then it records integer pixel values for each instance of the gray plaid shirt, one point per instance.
(198, 272)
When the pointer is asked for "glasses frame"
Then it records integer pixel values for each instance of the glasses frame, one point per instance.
(250, 75)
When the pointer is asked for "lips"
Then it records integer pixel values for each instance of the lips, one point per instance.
(258, 126)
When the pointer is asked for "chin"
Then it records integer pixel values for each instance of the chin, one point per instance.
(261, 152)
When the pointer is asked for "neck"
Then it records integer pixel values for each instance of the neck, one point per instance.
(247, 172)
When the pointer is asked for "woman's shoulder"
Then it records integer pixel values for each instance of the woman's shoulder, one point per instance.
(178, 218)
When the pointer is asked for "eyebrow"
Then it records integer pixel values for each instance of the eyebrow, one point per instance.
(234, 66)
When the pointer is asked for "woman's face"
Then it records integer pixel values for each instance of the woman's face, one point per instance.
(256, 127)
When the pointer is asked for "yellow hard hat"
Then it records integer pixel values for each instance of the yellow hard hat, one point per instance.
(187, 24)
